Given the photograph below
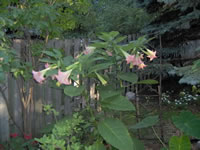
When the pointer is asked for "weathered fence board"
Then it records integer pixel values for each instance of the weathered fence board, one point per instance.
(4, 116)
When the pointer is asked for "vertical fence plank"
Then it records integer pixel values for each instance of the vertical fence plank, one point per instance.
(48, 101)
(57, 93)
(14, 94)
(38, 118)
(66, 99)
(4, 117)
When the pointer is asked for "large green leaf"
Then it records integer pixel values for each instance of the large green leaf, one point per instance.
(101, 66)
(148, 82)
(68, 60)
(73, 91)
(146, 122)
(179, 143)
(96, 146)
(49, 53)
(108, 91)
(118, 102)
(51, 72)
(138, 145)
(47, 60)
(115, 133)
(188, 123)
(130, 77)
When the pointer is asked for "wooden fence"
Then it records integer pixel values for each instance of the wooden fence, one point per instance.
(42, 94)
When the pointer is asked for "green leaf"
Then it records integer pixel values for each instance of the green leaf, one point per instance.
(120, 39)
(187, 123)
(99, 67)
(49, 53)
(2, 77)
(46, 60)
(96, 146)
(118, 102)
(51, 72)
(115, 133)
(114, 33)
(179, 143)
(148, 82)
(67, 60)
(138, 145)
(99, 44)
(106, 93)
(73, 91)
(130, 77)
(146, 122)
(57, 53)
(163, 148)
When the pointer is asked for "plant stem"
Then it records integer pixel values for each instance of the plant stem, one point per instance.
(159, 138)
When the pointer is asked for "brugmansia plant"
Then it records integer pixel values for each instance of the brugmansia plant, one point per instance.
(26, 19)
(102, 62)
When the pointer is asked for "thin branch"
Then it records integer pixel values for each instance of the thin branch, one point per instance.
(154, 131)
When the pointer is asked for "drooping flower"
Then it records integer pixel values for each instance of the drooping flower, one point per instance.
(134, 60)
(27, 136)
(130, 59)
(13, 135)
(151, 54)
(109, 53)
(38, 76)
(141, 66)
(89, 50)
(63, 77)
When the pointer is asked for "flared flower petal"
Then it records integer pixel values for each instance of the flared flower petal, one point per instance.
(89, 50)
(63, 77)
(38, 76)
(151, 54)
(141, 66)
(130, 59)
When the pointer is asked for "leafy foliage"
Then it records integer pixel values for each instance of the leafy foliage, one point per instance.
(189, 76)
(115, 133)
(188, 123)
(179, 143)
(146, 122)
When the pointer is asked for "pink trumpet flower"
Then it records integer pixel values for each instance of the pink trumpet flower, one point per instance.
(151, 54)
(141, 66)
(63, 77)
(38, 76)
(130, 59)
(135, 61)
(89, 50)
